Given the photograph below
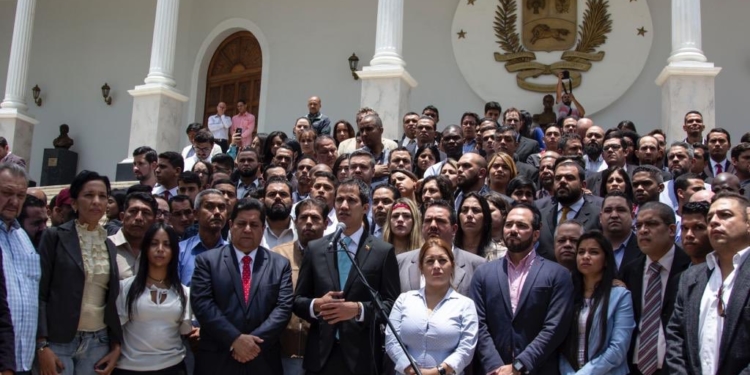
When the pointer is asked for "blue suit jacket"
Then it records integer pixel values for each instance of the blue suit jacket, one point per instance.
(611, 358)
(219, 305)
(539, 325)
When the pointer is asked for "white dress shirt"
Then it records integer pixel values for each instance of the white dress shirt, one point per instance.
(593, 166)
(711, 325)
(574, 208)
(666, 266)
(219, 126)
(724, 165)
(241, 255)
(271, 240)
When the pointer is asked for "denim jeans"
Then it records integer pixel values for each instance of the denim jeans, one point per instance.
(292, 366)
(81, 355)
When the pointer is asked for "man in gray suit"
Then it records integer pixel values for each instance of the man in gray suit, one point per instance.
(709, 332)
(440, 221)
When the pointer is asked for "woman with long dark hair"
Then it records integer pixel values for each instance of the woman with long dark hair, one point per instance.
(273, 142)
(424, 158)
(474, 225)
(205, 172)
(342, 131)
(599, 336)
(616, 179)
(154, 310)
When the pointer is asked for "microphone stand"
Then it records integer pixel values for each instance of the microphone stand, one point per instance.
(381, 309)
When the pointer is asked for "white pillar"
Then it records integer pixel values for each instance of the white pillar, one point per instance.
(389, 34)
(386, 84)
(688, 81)
(20, 49)
(164, 43)
(686, 31)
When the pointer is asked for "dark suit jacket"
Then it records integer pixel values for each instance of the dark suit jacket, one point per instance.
(525, 148)
(219, 305)
(61, 286)
(528, 171)
(632, 251)
(319, 275)
(7, 337)
(588, 216)
(541, 321)
(709, 172)
(683, 339)
(632, 275)
(466, 263)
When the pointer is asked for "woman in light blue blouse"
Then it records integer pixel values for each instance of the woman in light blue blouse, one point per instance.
(599, 336)
(437, 324)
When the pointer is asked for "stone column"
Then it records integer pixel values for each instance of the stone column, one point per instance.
(15, 124)
(688, 80)
(157, 105)
(386, 84)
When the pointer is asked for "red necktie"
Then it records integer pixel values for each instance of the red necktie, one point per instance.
(246, 277)
(166, 195)
(719, 169)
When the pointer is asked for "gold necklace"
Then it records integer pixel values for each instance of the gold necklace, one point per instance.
(155, 280)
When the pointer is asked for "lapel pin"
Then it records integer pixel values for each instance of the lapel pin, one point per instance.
(367, 247)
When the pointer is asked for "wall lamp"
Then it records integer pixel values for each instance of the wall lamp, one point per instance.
(353, 62)
(36, 91)
(105, 94)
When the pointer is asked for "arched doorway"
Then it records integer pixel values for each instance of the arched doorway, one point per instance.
(234, 73)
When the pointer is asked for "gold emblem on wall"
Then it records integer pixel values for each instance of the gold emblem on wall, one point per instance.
(550, 25)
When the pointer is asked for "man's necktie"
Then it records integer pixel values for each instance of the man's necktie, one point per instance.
(565, 212)
(344, 263)
(167, 195)
(651, 318)
(719, 169)
(246, 277)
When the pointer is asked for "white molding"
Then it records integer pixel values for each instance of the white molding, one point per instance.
(14, 113)
(203, 58)
(153, 89)
(375, 73)
(687, 69)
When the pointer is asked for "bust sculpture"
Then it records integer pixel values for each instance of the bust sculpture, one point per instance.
(63, 141)
(548, 115)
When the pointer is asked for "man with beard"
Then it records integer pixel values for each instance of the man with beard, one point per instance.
(616, 220)
(547, 175)
(472, 171)
(277, 200)
(569, 203)
(653, 281)
(247, 167)
(383, 198)
(648, 154)
(310, 223)
(211, 209)
(505, 345)
(33, 218)
(144, 164)
(566, 108)
(614, 153)
(506, 140)
(680, 159)
(452, 142)
(138, 214)
(325, 150)
(303, 174)
(695, 231)
(567, 234)
(593, 144)
(440, 221)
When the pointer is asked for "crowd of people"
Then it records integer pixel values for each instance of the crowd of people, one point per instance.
(496, 246)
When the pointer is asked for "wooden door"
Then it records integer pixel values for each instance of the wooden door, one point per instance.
(233, 74)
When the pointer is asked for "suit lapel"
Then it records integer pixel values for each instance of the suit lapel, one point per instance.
(735, 308)
(552, 216)
(502, 276)
(69, 239)
(231, 267)
(529, 282)
(260, 266)
(695, 286)
(332, 265)
(414, 273)
(584, 214)
(363, 252)
(459, 272)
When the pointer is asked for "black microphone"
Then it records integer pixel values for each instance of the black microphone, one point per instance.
(340, 228)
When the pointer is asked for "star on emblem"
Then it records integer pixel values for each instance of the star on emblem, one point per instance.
(642, 31)
(471, 2)
(461, 34)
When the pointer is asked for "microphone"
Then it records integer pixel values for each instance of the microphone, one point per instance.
(340, 228)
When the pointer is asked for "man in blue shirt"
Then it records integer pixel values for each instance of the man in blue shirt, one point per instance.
(211, 212)
(21, 265)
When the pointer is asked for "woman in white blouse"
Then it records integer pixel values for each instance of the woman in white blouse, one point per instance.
(154, 309)
(437, 324)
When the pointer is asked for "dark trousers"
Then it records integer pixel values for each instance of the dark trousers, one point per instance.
(178, 369)
(336, 365)
(224, 144)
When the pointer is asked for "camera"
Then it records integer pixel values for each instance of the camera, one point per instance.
(566, 74)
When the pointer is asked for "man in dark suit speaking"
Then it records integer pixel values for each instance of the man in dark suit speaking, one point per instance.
(344, 336)
(524, 303)
(242, 295)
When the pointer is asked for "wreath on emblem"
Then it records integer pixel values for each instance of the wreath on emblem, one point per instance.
(592, 33)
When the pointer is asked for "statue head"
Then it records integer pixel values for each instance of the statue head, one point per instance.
(548, 101)
(64, 129)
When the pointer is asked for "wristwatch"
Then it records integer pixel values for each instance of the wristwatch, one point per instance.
(441, 370)
(518, 366)
(41, 345)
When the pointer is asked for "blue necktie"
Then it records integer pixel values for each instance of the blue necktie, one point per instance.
(344, 263)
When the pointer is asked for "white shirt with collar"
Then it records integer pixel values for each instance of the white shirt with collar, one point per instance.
(666, 265)
(189, 151)
(219, 126)
(711, 325)
(574, 208)
(593, 166)
(407, 140)
(724, 165)
(352, 248)
(239, 254)
(160, 189)
(271, 240)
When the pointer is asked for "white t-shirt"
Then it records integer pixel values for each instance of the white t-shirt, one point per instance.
(151, 340)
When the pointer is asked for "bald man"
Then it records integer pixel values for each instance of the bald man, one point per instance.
(37, 192)
(702, 196)
(727, 182)
(472, 171)
(320, 122)
(583, 125)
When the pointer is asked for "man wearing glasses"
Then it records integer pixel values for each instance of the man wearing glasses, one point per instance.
(203, 144)
(708, 332)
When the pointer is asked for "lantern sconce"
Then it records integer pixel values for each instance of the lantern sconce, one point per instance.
(105, 94)
(36, 91)
(353, 62)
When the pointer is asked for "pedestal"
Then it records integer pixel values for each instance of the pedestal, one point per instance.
(124, 171)
(18, 130)
(60, 166)
(387, 92)
(685, 87)
(156, 119)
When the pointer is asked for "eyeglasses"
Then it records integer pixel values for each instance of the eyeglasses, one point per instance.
(612, 147)
(720, 306)
(162, 213)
